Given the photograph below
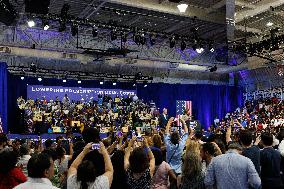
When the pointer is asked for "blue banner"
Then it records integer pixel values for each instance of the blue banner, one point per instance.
(74, 93)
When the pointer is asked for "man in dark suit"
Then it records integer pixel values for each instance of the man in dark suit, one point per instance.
(270, 162)
(163, 120)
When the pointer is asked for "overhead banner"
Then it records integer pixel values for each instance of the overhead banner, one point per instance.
(74, 93)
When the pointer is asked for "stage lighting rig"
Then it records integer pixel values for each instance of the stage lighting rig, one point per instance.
(142, 39)
(74, 29)
(183, 45)
(45, 24)
(124, 37)
(172, 42)
(95, 31)
(152, 38)
(113, 35)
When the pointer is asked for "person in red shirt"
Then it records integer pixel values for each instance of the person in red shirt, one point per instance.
(10, 175)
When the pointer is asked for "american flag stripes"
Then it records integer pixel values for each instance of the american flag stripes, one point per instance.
(181, 106)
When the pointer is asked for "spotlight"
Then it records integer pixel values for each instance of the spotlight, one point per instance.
(145, 83)
(182, 7)
(31, 23)
(199, 50)
(269, 24)
(172, 42)
(113, 35)
(142, 39)
(74, 29)
(95, 32)
(114, 83)
(134, 84)
(39, 79)
(210, 46)
(183, 45)
(45, 25)
(79, 81)
(22, 78)
(101, 82)
(64, 81)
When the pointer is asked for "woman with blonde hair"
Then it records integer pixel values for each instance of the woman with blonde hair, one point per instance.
(192, 176)
(192, 146)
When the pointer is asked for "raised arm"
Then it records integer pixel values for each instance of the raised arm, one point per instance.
(70, 150)
(108, 165)
(184, 125)
(228, 134)
(168, 127)
(111, 148)
(151, 157)
(74, 166)
(127, 153)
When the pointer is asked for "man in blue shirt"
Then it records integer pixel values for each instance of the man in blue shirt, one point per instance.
(231, 171)
(175, 145)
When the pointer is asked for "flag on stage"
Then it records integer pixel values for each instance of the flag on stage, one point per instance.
(181, 106)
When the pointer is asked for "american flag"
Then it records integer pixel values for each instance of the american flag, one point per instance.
(182, 105)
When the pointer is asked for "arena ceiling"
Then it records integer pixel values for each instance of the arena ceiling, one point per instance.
(208, 18)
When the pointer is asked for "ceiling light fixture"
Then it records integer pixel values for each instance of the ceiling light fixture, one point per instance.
(39, 79)
(199, 50)
(22, 78)
(45, 25)
(182, 7)
(64, 81)
(79, 81)
(31, 23)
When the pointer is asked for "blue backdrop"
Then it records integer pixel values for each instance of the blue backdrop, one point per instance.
(208, 101)
(3, 95)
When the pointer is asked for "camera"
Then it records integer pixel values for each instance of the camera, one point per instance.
(96, 146)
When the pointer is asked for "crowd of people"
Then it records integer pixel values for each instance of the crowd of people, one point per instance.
(244, 150)
(43, 116)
